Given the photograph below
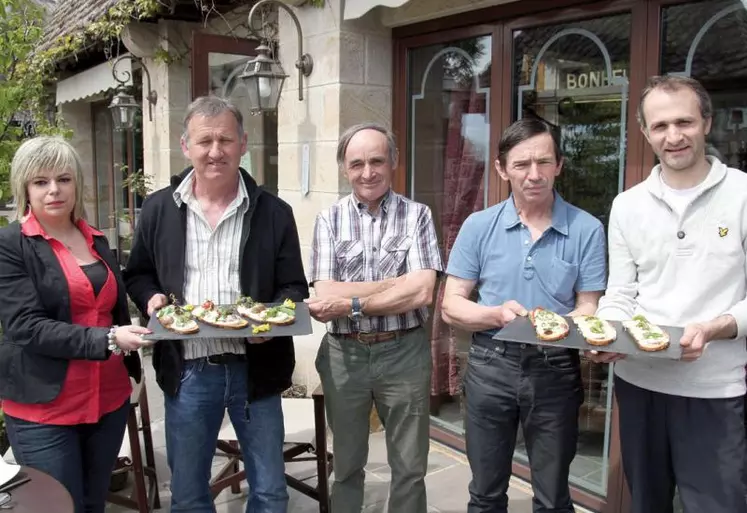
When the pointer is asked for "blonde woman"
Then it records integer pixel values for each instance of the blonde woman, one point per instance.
(64, 361)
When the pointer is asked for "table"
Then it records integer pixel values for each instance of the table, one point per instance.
(39, 494)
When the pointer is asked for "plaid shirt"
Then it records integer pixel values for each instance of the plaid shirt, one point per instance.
(351, 244)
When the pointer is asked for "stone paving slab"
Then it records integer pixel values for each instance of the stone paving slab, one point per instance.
(446, 481)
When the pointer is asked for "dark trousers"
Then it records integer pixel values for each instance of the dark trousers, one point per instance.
(696, 445)
(506, 383)
(81, 456)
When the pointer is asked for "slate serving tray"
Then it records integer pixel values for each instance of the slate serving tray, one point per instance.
(522, 331)
(302, 326)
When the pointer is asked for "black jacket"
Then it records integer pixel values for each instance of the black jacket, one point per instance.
(39, 338)
(270, 269)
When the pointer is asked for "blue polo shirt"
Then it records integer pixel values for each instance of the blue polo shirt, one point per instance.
(496, 250)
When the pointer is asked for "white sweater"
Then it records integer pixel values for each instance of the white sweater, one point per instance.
(675, 281)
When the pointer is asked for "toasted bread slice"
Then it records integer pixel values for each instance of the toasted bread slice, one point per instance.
(549, 326)
(647, 336)
(220, 317)
(596, 331)
(231, 323)
(279, 315)
(177, 319)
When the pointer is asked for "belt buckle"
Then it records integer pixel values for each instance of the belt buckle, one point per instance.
(211, 361)
(358, 336)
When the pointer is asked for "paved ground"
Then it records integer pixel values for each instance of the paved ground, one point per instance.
(447, 479)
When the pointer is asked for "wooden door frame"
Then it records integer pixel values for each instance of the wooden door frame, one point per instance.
(203, 45)
(644, 61)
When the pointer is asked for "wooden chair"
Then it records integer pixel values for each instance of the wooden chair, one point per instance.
(143, 499)
(303, 445)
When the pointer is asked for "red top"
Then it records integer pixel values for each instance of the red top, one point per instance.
(91, 388)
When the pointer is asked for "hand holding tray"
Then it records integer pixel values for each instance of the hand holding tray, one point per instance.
(521, 330)
(301, 326)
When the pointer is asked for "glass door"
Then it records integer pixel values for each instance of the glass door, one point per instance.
(217, 62)
(448, 96)
(574, 76)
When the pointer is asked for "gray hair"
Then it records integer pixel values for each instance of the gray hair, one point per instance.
(210, 107)
(342, 145)
(45, 153)
(675, 83)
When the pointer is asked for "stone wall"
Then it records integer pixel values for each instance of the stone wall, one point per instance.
(350, 83)
(77, 116)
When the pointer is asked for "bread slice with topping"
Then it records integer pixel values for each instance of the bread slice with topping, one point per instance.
(647, 336)
(177, 319)
(549, 326)
(596, 331)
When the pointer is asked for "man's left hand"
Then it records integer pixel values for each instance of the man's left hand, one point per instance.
(328, 308)
(693, 341)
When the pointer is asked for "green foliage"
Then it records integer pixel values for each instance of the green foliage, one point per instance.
(22, 93)
(26, 74)
(590, 144)
(317, 3)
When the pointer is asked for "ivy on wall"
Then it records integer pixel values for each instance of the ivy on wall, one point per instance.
(27, 72)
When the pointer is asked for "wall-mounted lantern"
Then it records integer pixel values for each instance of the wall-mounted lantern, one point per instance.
(123, 106)
(264, 76)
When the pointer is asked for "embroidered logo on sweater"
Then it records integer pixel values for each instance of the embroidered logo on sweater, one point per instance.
(723, 232)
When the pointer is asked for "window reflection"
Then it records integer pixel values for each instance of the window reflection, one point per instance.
(574, 76)
(449, 95)
(707, 41)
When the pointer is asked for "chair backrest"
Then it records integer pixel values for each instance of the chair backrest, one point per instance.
(137, 387)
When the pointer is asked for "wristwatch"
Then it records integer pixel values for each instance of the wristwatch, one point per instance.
(356, 313)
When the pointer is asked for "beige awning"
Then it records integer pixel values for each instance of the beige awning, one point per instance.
(354, 9)
(92, 81)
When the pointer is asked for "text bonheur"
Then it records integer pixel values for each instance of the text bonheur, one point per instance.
(591, 79)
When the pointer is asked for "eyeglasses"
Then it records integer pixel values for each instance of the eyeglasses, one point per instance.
(6, 501)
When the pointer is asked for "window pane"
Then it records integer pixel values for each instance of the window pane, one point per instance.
(707, 41)
(261, 157)
(574, 76)
(448, 102)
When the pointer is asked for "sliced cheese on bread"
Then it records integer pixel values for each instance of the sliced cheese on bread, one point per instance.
(596, 331)
(647, 336)
(548, 325)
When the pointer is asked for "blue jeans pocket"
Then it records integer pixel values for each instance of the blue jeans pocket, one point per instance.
(481, 355)
(189, 368)
(560, 360)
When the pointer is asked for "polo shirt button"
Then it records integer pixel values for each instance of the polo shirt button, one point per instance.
(529, 259)
(523, 346)
(680, 234)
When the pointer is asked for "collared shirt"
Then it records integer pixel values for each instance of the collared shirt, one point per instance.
(353, 244)
(211, 263)
(91, 388)
(495, 249)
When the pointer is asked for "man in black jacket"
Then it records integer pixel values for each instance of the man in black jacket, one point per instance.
(213, 234)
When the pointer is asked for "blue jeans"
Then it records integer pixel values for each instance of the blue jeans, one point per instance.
(81, 456)
(540, 387)
(193, 420)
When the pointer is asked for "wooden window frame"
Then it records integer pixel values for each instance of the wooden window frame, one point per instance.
(645, 55)
(205, 44)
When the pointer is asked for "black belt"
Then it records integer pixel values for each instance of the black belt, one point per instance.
(376, 336)
(225, 358)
